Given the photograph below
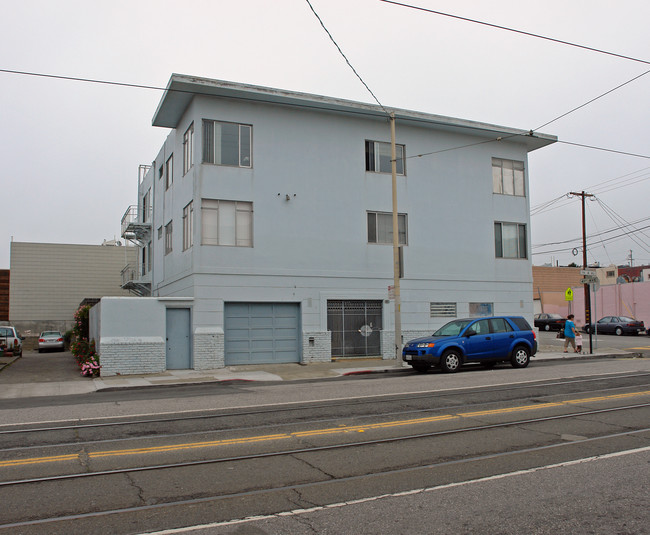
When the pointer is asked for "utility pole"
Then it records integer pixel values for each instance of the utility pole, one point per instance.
(583, 195)
(396, 270)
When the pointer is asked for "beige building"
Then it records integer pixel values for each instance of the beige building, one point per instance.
(49, 281)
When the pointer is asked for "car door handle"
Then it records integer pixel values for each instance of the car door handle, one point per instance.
(512, 336)
(488, 338)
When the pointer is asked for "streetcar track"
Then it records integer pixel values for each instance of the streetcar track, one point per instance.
(333, 447)
(156, 436)
(302, 405)
(335, 480)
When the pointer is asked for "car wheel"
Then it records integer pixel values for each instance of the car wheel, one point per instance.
(40, 350)
(420, 367)
(618, 331)
(587, 329)
(521, 357)
(547, 327)
(451, 361)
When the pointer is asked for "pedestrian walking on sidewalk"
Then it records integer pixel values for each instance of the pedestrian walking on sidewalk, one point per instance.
(570, 333)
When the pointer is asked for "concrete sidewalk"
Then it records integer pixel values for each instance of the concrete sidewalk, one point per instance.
(30, 377)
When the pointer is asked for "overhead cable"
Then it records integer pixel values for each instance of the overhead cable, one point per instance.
(514, 30)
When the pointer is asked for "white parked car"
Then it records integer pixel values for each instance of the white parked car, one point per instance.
(11, 341)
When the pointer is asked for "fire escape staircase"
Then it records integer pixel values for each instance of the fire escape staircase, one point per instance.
(139, 233)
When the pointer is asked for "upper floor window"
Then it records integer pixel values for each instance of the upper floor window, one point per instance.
(168, 237)
(146, 206)
(227, 143)
(169, 171)
(380, 228)
(188, 226)
(378, 157)
(226, 223)
(188, 149)
(508, 177)
(510, 240)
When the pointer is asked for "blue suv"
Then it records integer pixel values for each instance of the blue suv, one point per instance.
(481, 340)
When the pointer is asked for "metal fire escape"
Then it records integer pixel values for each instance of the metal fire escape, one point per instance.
(136, 227)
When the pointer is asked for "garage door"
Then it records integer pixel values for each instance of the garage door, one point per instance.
(262, 333)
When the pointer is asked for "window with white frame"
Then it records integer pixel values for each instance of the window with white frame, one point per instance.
(227, 143)
(510, 240)
(188, 226)
(378, 157)
(169, 171)
(508, 177)
(168, 237)
(380, 228)
(188, 149)
(226, 223)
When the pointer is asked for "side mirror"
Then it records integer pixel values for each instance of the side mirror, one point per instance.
(23, 337)
(470, 332)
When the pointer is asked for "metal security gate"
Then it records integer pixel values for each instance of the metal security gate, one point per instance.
(355, 327)
(262, 333)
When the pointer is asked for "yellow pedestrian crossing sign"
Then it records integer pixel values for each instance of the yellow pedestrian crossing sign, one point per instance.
(568, 295)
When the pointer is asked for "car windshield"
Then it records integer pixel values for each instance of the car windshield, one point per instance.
(555, 316)
(51, 333)
(625, 319)
(452, 328)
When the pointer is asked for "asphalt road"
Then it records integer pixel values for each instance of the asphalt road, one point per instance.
(560, 447)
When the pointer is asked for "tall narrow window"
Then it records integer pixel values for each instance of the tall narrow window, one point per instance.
(380, 228)
(227, 143)
(146, 206)
(226, 223)
(168, 238)
(188, 149)
(169, 171)
(508, 177)
(378, 157)
(188, 226)
(510, 240)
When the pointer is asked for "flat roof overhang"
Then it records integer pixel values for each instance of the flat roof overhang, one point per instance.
(181, 89)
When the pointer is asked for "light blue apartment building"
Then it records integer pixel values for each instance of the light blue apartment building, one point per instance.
(265, 228)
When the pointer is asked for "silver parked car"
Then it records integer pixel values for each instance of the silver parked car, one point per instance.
(50, 340)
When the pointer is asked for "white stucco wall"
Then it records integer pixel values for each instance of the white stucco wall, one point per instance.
(131, 337)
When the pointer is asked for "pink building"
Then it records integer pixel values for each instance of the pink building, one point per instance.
(631, 300)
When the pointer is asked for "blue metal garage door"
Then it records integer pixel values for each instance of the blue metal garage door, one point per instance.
(262, 333)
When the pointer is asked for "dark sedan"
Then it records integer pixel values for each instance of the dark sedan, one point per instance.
(549, 322)
(617, 325)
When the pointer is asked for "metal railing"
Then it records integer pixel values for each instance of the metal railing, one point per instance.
(129, 273)
(130, 216)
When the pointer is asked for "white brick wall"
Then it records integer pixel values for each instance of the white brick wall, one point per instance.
(320, 350)
(208, 348)
(130, 356)
(388, 339)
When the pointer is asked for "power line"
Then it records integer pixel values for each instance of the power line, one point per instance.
(345, 57)
(411, 119)
(602, 148)
(514, 30)
(593, 100)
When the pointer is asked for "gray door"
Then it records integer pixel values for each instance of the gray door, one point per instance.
(178, 339)
(262, 333)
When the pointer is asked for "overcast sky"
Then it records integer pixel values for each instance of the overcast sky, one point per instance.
(70, 150)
